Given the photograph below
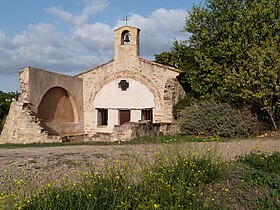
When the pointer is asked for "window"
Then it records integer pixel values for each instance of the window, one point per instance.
(123, 85)
(102, 116)
(147, 114)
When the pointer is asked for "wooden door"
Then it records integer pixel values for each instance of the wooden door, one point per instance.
(124, 116)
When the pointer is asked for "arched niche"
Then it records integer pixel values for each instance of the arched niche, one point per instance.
(57, 106)
(124, 93)
(133, 75)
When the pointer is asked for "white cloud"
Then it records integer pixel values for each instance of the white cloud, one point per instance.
(86, 45)
(159, 29)
(91, 7)
(44, 47)
(170, 20)
(60, 13)
(94, 36)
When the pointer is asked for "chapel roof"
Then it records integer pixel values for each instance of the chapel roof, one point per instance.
(140, 59)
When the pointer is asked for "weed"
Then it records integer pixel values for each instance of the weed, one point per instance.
(170, 180)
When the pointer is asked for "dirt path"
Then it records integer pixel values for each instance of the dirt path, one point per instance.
(66, 157)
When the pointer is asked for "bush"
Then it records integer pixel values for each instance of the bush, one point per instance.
(187, 100)
(216, 118)
(2, 122)
(4, 110)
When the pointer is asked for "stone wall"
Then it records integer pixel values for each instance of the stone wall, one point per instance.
(153, 76)
(127, 63)
(131, 50)
(22, 127)
(41, 88)
(126, 132)
(173, 91)
(133, 130)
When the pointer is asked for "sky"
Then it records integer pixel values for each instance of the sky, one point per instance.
(71, 36)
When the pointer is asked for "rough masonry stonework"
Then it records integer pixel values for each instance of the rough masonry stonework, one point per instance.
(101, 101)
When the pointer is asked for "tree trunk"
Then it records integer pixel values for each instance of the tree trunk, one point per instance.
(272, 120)
(271, 111)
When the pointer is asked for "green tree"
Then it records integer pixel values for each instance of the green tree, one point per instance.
(5, 102)
(236, 52)
(181, 56)
(166, 58)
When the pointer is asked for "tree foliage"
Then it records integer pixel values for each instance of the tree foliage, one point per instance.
(5, 101)
(236, 52)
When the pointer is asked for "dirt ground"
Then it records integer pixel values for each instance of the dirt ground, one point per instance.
(67, 157)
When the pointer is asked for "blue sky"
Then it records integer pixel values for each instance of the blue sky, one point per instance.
(70, 36)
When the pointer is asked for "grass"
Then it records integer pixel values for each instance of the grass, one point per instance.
(51, 144)
(169, 180)
(142, 140)
(178, 138)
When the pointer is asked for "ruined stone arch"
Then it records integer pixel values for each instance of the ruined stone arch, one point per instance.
(133, 75)
(57, 105)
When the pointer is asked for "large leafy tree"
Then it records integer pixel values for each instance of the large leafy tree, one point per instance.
(181, 56)
(236, 46)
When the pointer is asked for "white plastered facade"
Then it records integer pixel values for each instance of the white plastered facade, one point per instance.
(113, 98)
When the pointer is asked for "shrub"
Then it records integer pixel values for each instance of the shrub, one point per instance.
(217, 118)
(2, 122)
(4, 110)
(182, 103)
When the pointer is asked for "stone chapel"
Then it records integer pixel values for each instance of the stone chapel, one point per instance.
(124, 98)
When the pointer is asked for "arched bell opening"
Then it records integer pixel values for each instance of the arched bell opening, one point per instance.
(125, 40)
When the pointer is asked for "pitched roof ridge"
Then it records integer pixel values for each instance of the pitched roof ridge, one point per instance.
(96, 67)
(161, 65)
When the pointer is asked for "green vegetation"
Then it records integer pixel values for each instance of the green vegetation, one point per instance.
(141, 140)
(261, 181)
(5, 101)
(177, 138)
(162, 186)
(213, 118)
(232, 55)
(177, 180)
(52, 144)
(231, 58)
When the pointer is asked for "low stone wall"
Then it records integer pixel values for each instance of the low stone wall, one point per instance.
(133, 130)
(125, 132)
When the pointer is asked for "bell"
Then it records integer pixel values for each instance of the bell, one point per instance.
(126, 38)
